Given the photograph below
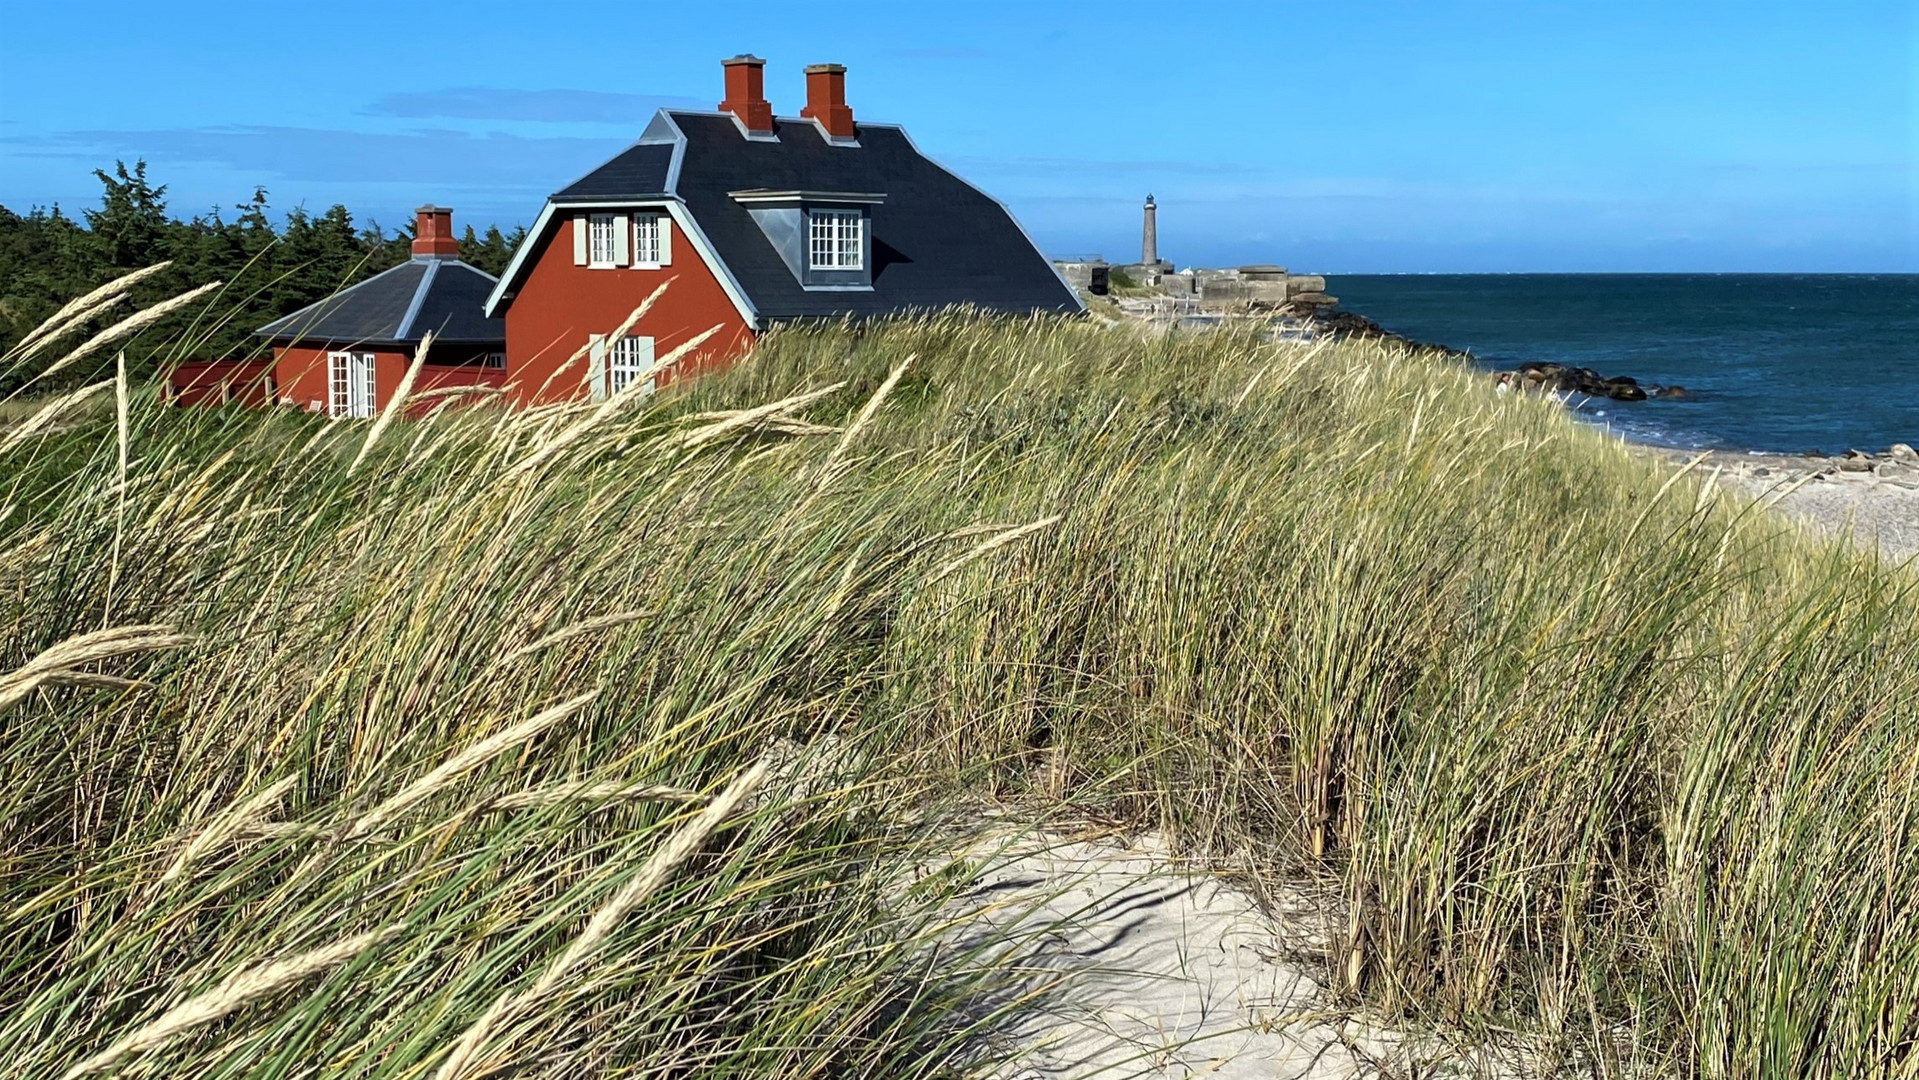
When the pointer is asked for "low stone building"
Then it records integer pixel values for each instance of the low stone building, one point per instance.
(1246, 289)
(1087, 273)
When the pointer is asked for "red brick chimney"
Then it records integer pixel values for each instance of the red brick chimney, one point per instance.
(746, 92)
(826, 99)
(433, 233)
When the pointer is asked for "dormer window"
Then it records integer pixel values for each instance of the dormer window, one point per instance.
(825, 237)
(835, 240)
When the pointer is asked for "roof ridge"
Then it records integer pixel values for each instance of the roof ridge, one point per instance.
(419, 297)
(794, 119)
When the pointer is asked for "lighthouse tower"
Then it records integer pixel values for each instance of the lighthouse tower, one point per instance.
(1151, 271)
(1149, 236)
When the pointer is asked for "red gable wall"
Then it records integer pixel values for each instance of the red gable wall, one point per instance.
(559, 305)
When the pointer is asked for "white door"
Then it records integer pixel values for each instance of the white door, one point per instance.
(350, 384)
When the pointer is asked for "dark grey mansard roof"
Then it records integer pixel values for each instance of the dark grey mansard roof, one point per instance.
(937, 240)
(638, 170)
(398, 306)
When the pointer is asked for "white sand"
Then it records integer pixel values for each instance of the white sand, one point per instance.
(1163, 972)
(1878, 509)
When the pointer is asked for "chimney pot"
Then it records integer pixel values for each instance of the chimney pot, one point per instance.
(433, 233)
(826, 100)
(746, 92)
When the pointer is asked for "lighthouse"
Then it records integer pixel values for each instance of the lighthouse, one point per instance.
(1149, 235)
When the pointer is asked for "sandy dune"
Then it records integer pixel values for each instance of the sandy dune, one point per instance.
(1164, 972)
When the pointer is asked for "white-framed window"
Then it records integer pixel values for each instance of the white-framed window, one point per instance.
(630, 359)
(350, 385)
(834, 240)
(648, 249)
(602, 240)
(494, 360)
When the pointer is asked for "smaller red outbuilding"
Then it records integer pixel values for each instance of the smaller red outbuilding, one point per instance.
(345, 355)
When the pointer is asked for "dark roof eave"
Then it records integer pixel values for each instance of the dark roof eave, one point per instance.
(581, 200)
(303, 339)
(989, 310)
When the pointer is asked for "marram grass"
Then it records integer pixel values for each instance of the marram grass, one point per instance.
(1582, 749)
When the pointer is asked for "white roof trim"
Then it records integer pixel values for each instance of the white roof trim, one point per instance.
(532, 238)
(832, 139)
(1010, 216)
(674, 208)
(764, 195)
(721, 271)
(749, 134)
(663, 122)
(672, 184)
(419, 300)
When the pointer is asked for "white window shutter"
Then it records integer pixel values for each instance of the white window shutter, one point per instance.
(645, 346)
(596, 367)
(579, 240)
(622, 239)
(666, 240)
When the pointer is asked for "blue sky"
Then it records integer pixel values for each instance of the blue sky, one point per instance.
(1337, 136)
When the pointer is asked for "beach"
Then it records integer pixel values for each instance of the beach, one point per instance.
(1874, 500)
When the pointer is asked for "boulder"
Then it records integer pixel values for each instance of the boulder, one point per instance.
(1557, 378)
(1901, 452)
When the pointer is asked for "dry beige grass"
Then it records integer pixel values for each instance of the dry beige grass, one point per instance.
(463, 1060)
(237, 991)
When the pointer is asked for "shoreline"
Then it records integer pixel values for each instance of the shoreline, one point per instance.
(1869, 498)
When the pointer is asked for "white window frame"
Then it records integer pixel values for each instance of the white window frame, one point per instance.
(627, 359)
(350, 386)
(494, 361)
(649, 241)
(836, 240)
(602, 241)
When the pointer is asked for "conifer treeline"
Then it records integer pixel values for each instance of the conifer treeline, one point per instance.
(47, 258)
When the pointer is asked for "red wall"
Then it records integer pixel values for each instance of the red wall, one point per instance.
(559, 305)
(300, 371)
(216, 382)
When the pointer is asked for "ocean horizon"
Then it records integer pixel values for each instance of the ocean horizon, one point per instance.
(1773, 362)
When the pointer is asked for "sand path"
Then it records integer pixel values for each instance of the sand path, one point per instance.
(1167, 972)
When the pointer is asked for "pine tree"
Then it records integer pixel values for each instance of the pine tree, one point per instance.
(47, 258)
(491, 253)
(132, 219)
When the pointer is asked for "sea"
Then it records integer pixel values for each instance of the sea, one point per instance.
(1779, 363)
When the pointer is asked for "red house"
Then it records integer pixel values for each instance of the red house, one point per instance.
(345, 355)
(755, 220)
(751, 220)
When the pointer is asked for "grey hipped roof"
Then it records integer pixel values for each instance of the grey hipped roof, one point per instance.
(937, 240)
(398, 307)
